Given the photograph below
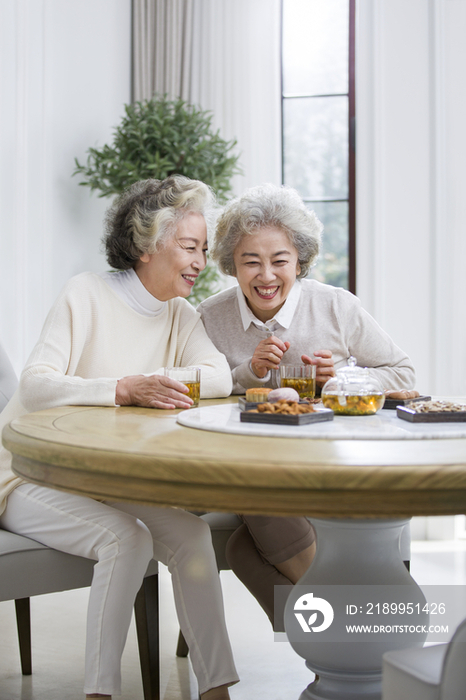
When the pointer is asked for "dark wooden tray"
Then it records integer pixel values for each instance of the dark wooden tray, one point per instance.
(393, 403)
(430, 417)
(319, 416)
(247, 405)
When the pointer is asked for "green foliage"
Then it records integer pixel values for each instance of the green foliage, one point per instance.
(158, 138)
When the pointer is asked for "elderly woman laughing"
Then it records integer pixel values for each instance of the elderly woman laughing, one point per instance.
(105, 342)
(268, 240)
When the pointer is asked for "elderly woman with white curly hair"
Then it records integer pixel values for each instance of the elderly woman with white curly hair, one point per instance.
(268, 240)
(105, 342)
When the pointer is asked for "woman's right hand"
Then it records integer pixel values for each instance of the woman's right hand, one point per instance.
(268, 355)
(155, 391)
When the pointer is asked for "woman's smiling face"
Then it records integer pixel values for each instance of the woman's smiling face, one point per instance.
(266, 264)
(172, 271)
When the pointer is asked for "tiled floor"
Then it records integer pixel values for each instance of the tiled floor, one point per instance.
(268, 670)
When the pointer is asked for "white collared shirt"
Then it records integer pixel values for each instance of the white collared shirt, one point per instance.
(131, 290)
(282, 318)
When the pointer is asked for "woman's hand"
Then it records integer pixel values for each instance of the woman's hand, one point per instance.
(268, 355)
(156, 391)
(325, 367)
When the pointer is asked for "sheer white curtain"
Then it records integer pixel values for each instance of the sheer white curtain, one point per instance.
(224, 56)
(162, 44)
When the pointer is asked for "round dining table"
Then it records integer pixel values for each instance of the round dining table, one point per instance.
(359, 494)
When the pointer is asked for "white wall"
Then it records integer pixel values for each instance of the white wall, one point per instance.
(64, 77)
(411, 208)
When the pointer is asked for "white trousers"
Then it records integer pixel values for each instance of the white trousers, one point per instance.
(123, 538)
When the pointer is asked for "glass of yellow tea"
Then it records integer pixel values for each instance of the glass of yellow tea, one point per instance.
(302, 378)
(190, 377)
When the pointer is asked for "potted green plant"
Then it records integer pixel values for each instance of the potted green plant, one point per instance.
(158, 138)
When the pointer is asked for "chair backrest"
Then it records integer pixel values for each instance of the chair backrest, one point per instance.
(453, 683)
(8, 379)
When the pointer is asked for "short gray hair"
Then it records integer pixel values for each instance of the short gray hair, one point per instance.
(258, 208)
(145, 215)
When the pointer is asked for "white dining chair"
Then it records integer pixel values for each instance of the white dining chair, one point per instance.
(8, 380)
(435, 672)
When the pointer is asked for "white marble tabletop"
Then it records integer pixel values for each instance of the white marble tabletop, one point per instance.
(384, 425)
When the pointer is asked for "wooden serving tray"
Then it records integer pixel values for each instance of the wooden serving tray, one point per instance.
(393, 403)
(247, 405)
(319, 416)
(430, 417)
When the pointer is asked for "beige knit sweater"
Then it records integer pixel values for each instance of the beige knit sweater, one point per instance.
(327, 318)
(91, 338)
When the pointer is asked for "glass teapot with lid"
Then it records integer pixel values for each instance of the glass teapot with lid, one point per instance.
(353, 391)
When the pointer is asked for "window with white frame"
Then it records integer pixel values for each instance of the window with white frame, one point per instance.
(318, 124)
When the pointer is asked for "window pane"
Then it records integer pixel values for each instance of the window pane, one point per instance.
(315, 47)
(332, 264)
(315, 135)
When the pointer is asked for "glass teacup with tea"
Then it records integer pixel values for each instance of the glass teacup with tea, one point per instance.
(190, 377)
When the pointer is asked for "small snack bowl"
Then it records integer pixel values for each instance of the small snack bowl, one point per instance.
(353, 392)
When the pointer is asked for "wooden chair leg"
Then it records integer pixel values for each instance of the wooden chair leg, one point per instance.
(182, 648)
(23, 623)
(146, 609)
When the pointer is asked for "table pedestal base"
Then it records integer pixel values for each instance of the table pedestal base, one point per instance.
(353, 553)
(344, 687)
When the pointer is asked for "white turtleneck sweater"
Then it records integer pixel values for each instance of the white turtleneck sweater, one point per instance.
(102, 328)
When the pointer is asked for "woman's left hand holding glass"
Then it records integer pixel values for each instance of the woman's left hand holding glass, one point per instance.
(154, 391)
(325, 367)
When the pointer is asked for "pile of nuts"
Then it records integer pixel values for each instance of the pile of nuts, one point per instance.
(290, 408)
(441, 406)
